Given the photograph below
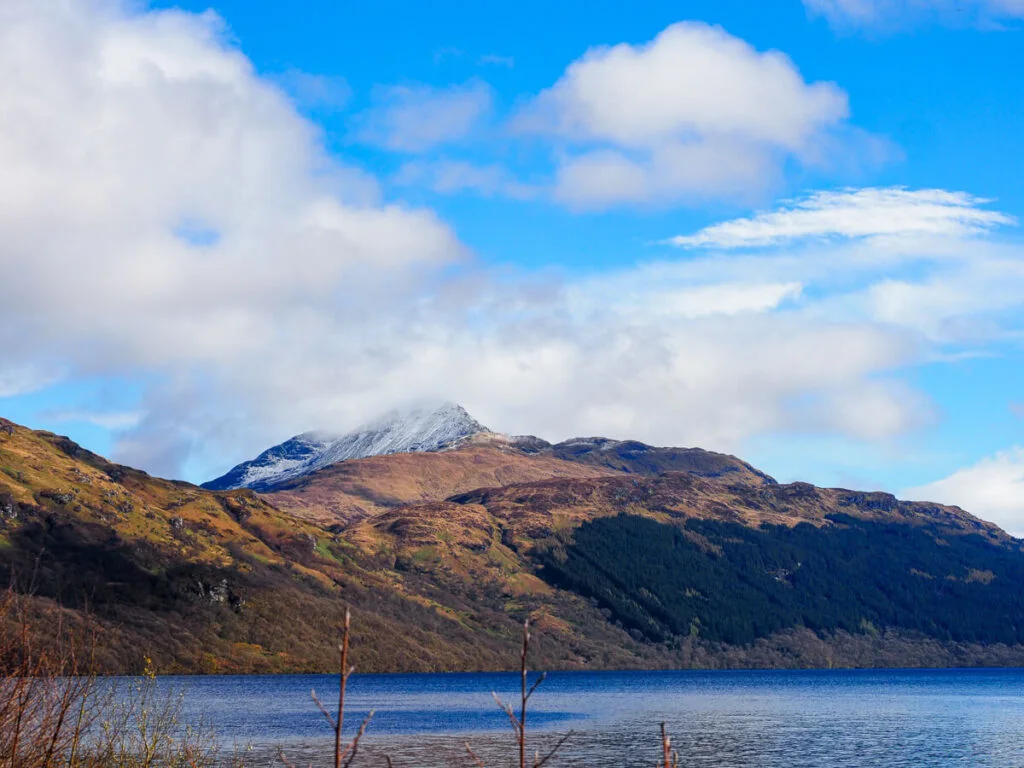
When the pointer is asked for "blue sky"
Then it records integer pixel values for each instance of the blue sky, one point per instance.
(786, 230)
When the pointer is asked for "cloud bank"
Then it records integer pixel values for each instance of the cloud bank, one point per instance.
(169, 219)
(992, 489)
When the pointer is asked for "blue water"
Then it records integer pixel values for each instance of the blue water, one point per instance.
(769, 719)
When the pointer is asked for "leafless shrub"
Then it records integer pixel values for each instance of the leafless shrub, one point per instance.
(519, 723)
(56, 713)
(344, 754)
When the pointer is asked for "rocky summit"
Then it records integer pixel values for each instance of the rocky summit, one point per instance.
(412, 430)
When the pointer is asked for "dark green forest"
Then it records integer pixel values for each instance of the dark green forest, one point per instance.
(730, 583)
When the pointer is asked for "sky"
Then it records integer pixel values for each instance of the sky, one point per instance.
(791, 231)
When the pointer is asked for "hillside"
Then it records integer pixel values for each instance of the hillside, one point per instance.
(352, 490)
(628, 569)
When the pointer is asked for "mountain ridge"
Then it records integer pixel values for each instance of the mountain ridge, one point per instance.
(450, 427)
(614, 569)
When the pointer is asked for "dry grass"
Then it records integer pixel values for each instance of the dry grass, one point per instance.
(56, 713)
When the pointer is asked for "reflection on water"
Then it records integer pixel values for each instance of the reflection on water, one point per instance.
(723, 719)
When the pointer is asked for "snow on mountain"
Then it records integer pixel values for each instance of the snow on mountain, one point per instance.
(409, 431)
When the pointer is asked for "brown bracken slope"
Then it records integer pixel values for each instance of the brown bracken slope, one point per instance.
(441, 556)
(353, 490)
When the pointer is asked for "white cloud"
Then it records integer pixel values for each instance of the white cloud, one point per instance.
(450, 177)
(415, 118)
(168, 218)
(112, 420)
(893, 14)
(694, 112)
(855, 213)
(21, 377)
(992, 489)
(313, 91)
(497, 60)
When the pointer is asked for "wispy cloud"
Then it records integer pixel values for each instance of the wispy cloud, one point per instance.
(450, 177)
(448, 52)
(20, 377)
(112, 420)
(889, 15)
(497, 60)
(415, 118)
(313, 91)
(855, 213)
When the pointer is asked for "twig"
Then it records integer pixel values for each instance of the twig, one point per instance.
(323, 710)
(526, 691)
(354, 744)
(670, 758)
(345, 672)
(507, 709)
(476, 758)
(537, 763)
(526, 696)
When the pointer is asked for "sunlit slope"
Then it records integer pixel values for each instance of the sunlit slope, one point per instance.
(211, 581)
(629, 569)
(361, 488)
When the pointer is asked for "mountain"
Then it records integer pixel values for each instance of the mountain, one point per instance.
(410, 431)
(286, 467)
(351, 490)
(635, 457)
(617, 562)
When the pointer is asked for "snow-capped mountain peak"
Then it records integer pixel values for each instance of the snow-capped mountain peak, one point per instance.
(401, 431)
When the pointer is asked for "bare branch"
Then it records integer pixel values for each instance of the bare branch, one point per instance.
(354, 744)
(476, 758)
(507, 709)
(345, 672)
(543, 676)
(323, 710)
(670, 758)
(553, 750)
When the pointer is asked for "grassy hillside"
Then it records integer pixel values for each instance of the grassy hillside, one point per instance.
(353, 490)
(205, 581)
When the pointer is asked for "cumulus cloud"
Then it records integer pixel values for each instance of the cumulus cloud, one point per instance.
(992, 489)
(121, 127)
(169, 219)
(893, 14)
(414, 118)
(694, 112)
(855, 213)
